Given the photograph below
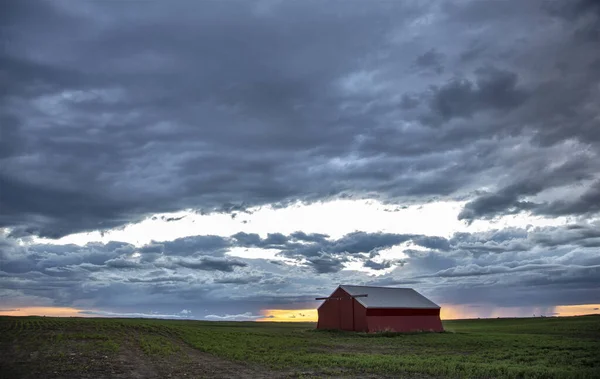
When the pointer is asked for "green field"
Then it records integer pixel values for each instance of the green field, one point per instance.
(496, 348)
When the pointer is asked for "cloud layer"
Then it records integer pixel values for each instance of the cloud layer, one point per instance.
(502, 268)
(112, 112)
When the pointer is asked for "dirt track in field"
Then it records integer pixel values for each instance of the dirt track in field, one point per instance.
(44, 348)
(75, 361)
(78, 361)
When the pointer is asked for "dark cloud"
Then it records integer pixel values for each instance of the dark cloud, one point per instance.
(432, 242)
(379, 265)
(234, 103)
(362, 242)
(170, 219)
(121, 263)
(510, 198)
(327, 263)
(238, 280)
(431, 60)
(211, 264)
(586, 203)
(585, 14)
(214, 245)
(313, 237)
(493, 89)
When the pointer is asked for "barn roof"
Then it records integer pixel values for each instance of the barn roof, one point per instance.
(388, 297)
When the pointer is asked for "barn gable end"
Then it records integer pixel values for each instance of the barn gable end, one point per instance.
(345, 313)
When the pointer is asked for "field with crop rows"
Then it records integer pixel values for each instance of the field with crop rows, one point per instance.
(44, 347)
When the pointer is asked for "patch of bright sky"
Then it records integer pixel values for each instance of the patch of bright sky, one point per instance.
(334, 218)
(357, 265)
(253, 252)
(396, 252)
(289, 315)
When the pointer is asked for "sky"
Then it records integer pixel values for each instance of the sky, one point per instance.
(233, 160)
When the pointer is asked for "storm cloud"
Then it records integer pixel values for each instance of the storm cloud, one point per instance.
(114, 112)
(220, 107)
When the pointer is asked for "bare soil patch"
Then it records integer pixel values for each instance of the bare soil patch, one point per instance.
(86, 354)
(83, 359)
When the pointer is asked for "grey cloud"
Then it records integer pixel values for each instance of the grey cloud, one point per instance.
(318, 244)
(152, 248)
(378, 265)
(327, 263)
(391, 282)
(586, 235)
(431, 60)
(476, 270)
(170, 134)
(313, 237)
(587, 203)
(432, 242)
(265, 100)
(472, 52)
(509, 199)
(159, 279)
(122, 263)
(584, 13)
(211, 264)
(359, 242)
(171, 219)
(494, 89)
(409, 101)
(248, 239)
(206, 244)
(275, 239)
(238, 280)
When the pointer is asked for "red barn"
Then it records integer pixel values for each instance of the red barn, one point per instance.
(372, 309)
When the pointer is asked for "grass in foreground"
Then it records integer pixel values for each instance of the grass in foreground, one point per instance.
(498, 348)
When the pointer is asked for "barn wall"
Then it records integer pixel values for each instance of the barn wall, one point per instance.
(404, 323)
(330, 312)
(337, 314)
(360, 317)
(346, 312)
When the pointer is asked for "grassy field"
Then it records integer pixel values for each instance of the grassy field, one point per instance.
(497, 348)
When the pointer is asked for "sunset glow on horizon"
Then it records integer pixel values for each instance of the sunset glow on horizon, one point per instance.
(577, 310)
(43, 311)
(289, 315)
(448, 312)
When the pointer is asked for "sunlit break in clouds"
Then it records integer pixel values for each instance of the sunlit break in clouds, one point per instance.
(42, 311)
(289, 315)
(234, 160)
